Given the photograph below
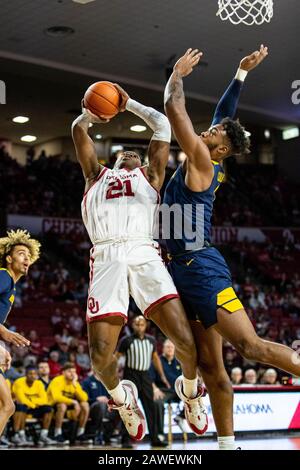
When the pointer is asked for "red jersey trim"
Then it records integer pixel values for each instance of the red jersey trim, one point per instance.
(105, 315)
(97, 179)
(159, 301)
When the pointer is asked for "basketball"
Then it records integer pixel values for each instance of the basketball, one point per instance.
(102, 99)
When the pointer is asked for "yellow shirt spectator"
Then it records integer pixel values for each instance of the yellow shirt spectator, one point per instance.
(62, 390)
(32, 395)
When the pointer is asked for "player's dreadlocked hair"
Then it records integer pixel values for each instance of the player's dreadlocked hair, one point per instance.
(237, 135)
(19, 237)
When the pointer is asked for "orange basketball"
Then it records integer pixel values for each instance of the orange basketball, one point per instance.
(102, 99)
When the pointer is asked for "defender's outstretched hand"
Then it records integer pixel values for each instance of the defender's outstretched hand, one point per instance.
(254, 59)
(185, 65)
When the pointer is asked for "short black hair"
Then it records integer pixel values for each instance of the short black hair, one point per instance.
(30, 367)
(69, 365)
(236, 133)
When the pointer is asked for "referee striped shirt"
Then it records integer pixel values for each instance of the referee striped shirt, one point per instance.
(138, 351)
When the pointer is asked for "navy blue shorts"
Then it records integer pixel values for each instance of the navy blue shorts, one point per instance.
(35, 412)
(204, 283)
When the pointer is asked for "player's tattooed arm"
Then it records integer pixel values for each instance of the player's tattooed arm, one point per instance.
(196, 151)
(175, 89)
(84, 145)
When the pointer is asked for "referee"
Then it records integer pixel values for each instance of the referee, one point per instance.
(139, 350)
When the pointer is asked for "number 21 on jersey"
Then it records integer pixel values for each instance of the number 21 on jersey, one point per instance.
(118, 189)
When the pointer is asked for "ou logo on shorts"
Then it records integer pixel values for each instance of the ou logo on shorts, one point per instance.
(93, 305)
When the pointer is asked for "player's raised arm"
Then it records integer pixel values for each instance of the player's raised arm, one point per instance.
(84, 145)
(182, 126)
(228, 104)
(159, 148)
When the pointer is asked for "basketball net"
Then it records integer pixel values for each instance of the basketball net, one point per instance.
(248, 12)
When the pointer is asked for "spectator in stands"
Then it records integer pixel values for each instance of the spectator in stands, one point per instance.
(44, 373)
(79, 372)
(61, 271)
(98, 400)
(67, 396)
(232, 359)
(250, 377)
(36, 347)
(30, 360)
(65, 336)
(63, 353)
(54, 365)
(270, 377)
(17, 353)
(56, 318)
(35, 274)
(57, 321)
(81, 290)
(82, 358)
(76, 321)
(15, 371)
(31, 399)
(236, 376)
(74, 343)
(161, 393)
(56, 345)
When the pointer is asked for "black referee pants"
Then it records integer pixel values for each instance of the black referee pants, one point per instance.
(143, 383)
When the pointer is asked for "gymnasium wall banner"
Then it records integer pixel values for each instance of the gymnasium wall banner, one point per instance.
(220, 235)
(263, 409)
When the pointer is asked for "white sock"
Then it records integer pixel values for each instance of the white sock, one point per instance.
(44, 432)
(57, 432)
(226, 443)
(190, 387)
(80, 431)
(118, 394)
(22, 433)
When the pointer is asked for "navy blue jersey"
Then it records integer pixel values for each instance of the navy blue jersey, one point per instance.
(171, 369)
(7, 294)
(94, 388)
(202, 277)
(178, 193)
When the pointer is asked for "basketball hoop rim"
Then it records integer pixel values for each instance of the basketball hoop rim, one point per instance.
(247, 12)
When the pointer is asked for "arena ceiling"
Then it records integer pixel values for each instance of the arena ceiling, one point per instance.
(134, 42)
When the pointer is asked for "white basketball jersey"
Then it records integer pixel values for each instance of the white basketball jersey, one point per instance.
(121, 204)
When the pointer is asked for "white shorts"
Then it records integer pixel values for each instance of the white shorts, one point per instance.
(121, 269)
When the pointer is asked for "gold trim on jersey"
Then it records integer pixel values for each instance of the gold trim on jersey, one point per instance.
(4, 269)
(228, 300)
(221, 176)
